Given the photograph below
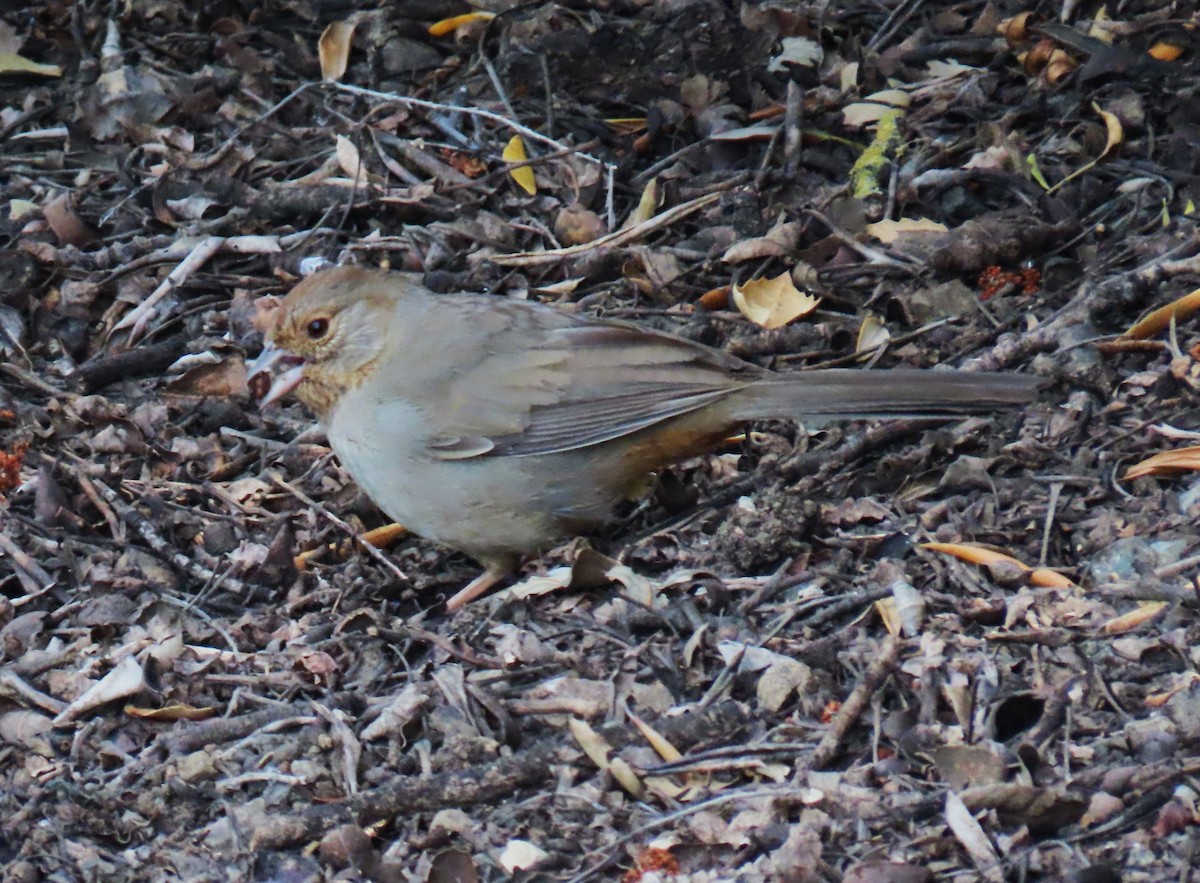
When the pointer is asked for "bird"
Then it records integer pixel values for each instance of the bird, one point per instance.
(497, 426)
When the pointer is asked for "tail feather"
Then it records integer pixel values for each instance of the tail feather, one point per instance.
(896, 392)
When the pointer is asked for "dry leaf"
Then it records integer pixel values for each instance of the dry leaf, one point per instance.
(1163, 51)
(1166, 463)
(772, 303)
(172, 713)
(1135, 618)
(888, 232)
(797, 50)
(333, 48)
(874, 107)
(1159, 320)
(646, 206)
(971, 835)
(455, 22)
(872, 334)
(658, 742)
(782, 239)
(886, 608)
(760, 132)
(514, 151)
(125, 679)
(627, 125)
(1039, 576)
(348, 157)
(1114, 130)
(600, 753)
(12, 63)
(521, 854)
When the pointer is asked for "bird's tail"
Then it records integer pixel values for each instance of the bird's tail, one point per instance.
(897, 392)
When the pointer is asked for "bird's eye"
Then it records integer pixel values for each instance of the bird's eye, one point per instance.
(317, 328)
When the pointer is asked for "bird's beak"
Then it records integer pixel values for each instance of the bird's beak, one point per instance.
(274, 374)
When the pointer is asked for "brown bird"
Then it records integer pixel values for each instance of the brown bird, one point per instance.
(498, 426)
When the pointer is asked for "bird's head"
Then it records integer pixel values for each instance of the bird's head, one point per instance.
(324, 338)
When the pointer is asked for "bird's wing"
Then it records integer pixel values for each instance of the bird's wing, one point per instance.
(553, 382)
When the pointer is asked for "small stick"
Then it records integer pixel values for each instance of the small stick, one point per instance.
(855, 703)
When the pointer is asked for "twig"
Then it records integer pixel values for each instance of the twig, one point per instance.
(33, 578)
(611, 240)
(529, 133)
(852, 708)
(157, 543)
(197, 258)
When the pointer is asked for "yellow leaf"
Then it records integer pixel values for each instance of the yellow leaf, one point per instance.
(1114, 130)
(11, 63)
(514, 151)
(1159, 320)
(886, 608)
(646, 206)
(1165, 51)
(333, 48)
(1035, 171)
(872, 334)
(600, 753)
(454, 22)
(627, 125)
(658, 742)
(772, 303)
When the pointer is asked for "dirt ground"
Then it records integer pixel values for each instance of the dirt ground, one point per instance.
(868, 652)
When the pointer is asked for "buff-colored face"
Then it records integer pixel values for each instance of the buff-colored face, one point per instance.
(324, 336)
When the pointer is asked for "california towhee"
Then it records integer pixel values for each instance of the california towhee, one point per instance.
(498, 426)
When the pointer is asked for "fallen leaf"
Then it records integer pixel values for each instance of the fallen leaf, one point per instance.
(888, 231)
(600, 753)
(521, 854)
(974, 840)
(782, 239)
(646, 207)
(333, 49)
(172, 713)
(1135, 618)
(125, 679)
(797, 50)
(1039, 576)
(514, 152)
(772, 303)
(872, 335)
(1163, 51)
(12, 63)
(348, 157)
(1159, 320)
(455, 22)
(1166, 463)
(875, 107)
(1113, 129)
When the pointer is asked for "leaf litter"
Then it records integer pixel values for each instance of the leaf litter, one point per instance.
(760, 650)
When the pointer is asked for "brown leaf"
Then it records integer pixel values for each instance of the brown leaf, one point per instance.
(333, 48)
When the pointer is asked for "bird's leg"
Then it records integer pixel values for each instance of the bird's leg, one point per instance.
(495, 572)
(380, 538)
